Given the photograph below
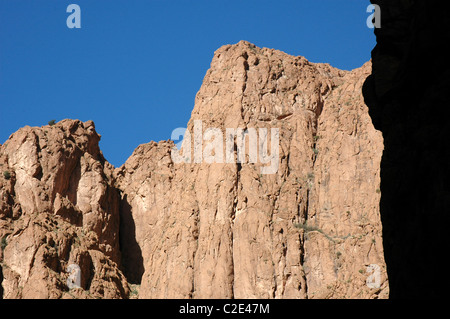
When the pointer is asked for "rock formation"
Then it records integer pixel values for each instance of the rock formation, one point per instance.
(58, 208)
(407, 95)
(310, 228)
(307, 231)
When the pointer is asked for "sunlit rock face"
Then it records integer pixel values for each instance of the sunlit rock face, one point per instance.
(310, 229)
(293, 214)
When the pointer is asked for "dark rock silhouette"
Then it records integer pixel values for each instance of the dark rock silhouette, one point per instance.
(408, 96)
(1, 280)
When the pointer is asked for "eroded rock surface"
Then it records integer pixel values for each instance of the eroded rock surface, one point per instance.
(228, 230)
(302, 225)
(57, 209)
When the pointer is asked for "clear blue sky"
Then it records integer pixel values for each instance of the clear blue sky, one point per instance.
(135, 66)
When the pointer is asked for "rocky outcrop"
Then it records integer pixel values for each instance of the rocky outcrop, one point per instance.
(299, 218)
(58, 208)
(407, 95)
(229, 230)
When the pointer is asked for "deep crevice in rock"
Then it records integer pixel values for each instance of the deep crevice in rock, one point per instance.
(132, 260)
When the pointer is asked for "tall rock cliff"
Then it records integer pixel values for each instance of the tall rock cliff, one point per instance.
(297, 219)
(229, 230)
(57, 209)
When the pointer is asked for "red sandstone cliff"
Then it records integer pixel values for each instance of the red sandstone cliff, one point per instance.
(309, 229)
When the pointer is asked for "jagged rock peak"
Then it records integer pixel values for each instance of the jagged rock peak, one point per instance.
(58, 208)
(224, 230)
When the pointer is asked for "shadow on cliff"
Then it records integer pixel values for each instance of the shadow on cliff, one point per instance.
(408, 99)
(132, 261)
(1, 281)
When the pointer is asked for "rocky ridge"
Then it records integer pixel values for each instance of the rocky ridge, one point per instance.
(205, 230)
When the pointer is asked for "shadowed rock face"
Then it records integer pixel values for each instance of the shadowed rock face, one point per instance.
(408, 99)
(310, 229)
(1, 280)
